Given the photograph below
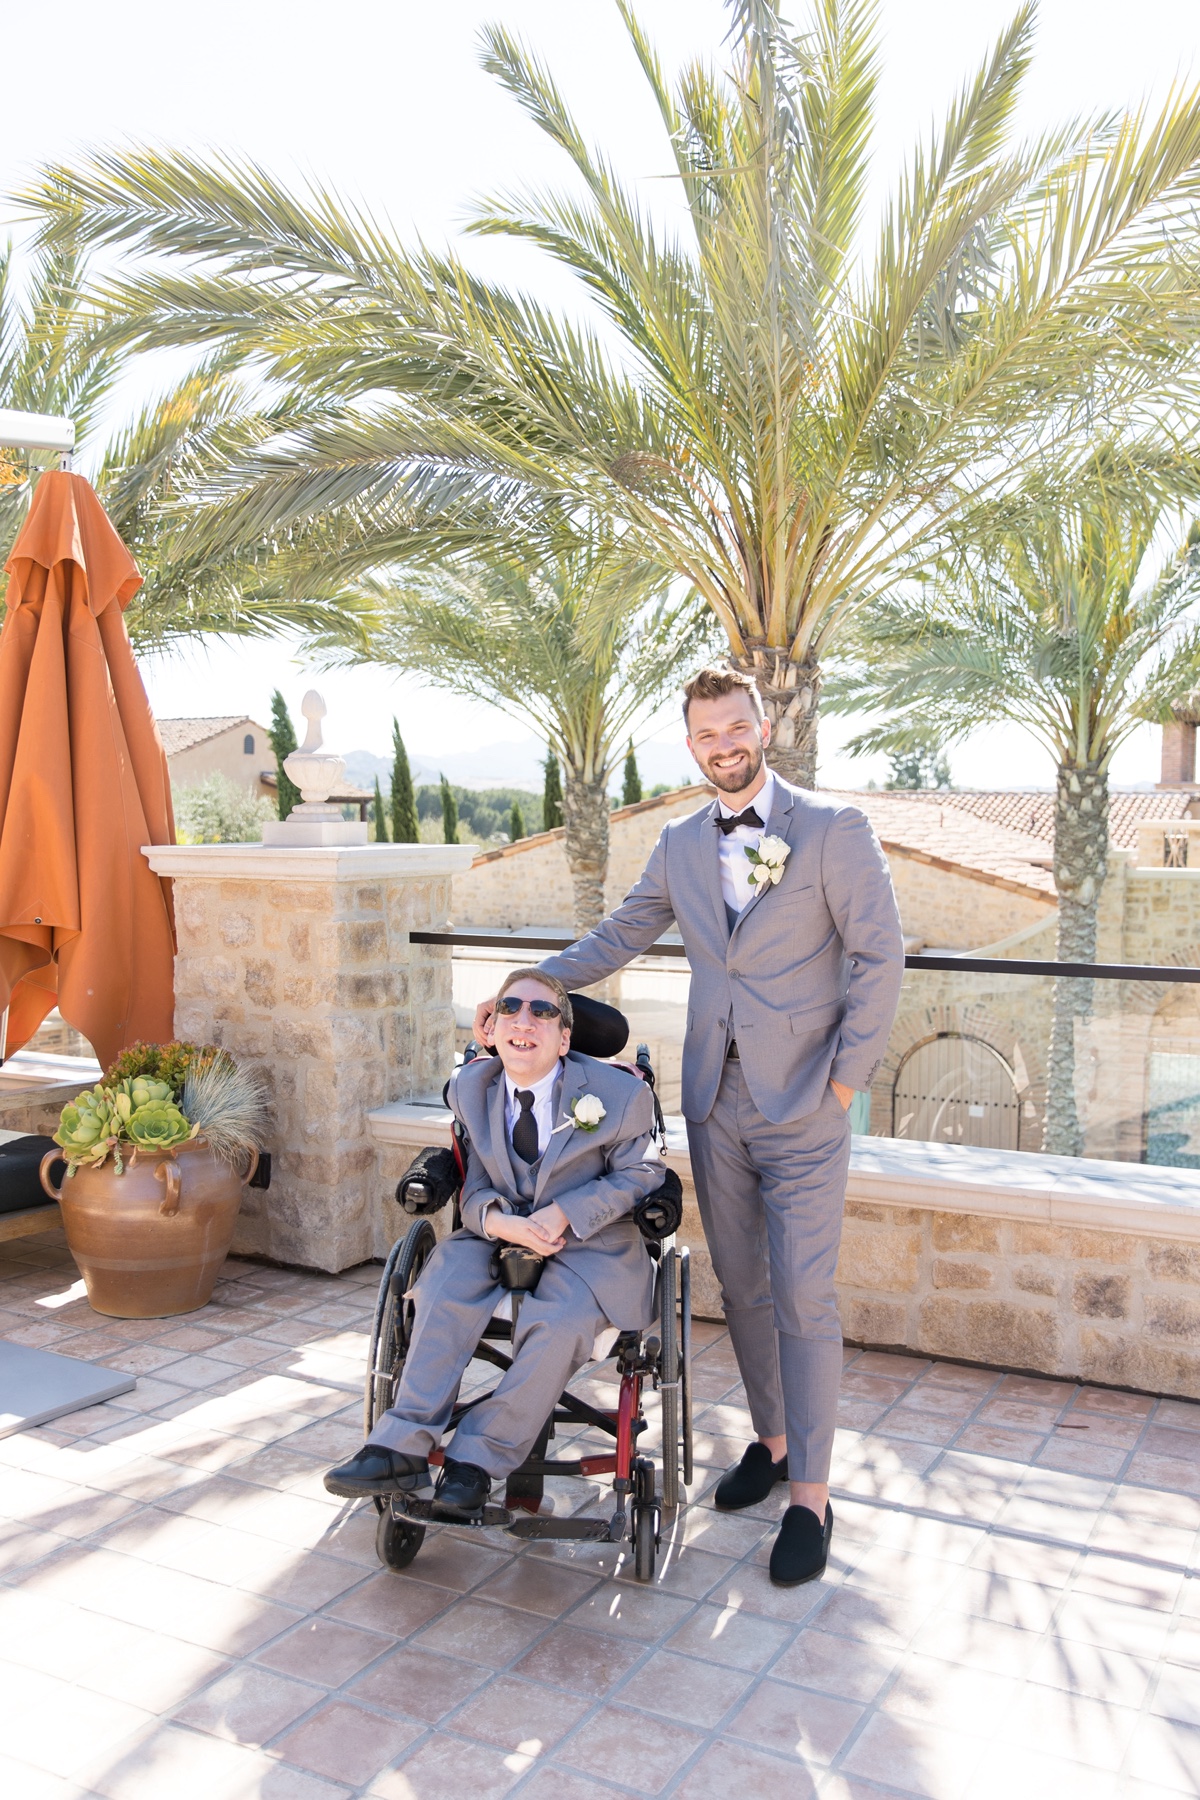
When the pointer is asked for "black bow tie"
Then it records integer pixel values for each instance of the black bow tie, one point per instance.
(749, 817)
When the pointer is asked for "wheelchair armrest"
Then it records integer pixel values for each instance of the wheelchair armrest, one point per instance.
(430, 1182)
(660, 1214)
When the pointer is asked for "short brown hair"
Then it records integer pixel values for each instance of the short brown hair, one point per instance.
(714, 683)
(548, 981)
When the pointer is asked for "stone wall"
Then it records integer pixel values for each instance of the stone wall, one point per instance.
(952, 911)
(299, 961)
(1104, 1306)
(529, 883)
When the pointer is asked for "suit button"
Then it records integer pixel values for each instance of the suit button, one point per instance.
(735, 974)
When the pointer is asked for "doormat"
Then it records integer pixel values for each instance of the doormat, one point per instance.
(36, 1386)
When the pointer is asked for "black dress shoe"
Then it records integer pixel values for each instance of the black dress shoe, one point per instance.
(377, 1471)
(801, 1550)
(461, 1491)
(751, 1480)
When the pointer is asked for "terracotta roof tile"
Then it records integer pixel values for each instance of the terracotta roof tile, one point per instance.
(185, 734)
(1032, 812)
(923, 826)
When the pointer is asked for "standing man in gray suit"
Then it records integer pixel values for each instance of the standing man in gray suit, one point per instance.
(785, 905)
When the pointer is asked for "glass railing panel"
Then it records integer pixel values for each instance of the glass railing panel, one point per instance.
(974, 1057)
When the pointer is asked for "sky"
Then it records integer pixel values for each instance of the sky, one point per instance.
(385, 102)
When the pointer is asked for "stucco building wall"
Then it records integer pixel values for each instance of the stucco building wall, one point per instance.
(226, 754)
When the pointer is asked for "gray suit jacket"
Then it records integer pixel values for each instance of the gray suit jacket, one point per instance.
(807, 980)
(597, 1177)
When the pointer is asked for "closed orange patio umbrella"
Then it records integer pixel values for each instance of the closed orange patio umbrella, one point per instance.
(83, 786)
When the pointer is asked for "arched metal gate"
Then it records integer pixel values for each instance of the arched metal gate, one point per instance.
(954, 1089)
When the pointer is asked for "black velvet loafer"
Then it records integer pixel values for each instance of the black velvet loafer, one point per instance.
(801, 1550)
(461, 1491)
(377, 1471)
(751, 1480)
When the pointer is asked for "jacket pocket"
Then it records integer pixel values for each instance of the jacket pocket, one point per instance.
(815, 1017)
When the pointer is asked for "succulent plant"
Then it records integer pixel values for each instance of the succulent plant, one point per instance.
(163, 1062)
(158, 1095)
(142, 1089)
(158, 1125)
(89, 1128)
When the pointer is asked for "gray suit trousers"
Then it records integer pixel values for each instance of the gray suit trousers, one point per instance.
(771, 1199)
(454, 1299)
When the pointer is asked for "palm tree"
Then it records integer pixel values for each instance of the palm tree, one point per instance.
(582, 644)
(1057, 617)
(56, 356)
(782, 408)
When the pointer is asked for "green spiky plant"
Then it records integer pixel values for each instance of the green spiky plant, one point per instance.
(406, 827)
(58, 355)
(283, 741)
(797, 407)
(1058, 615)
(582, 639)
(226, 1105)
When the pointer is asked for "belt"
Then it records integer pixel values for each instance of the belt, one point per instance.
(733, 1054)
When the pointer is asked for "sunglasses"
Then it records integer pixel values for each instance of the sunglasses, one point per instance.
(511, 1004)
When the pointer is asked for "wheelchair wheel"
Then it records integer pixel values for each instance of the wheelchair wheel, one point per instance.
(645, 1520)
(397, 1540)
(392, 1331)
(669, 1375)
(685, 1360)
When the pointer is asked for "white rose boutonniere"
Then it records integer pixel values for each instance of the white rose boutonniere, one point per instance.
(767, 861)
(587, 1112)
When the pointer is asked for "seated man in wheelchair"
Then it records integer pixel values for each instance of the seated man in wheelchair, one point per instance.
(561, 1150)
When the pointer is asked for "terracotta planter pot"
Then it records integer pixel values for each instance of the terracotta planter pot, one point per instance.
(149, 1243)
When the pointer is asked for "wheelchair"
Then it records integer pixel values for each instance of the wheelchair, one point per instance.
(659, 1358)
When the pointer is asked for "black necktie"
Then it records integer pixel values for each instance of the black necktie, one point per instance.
(727, 824)
(525, 1131)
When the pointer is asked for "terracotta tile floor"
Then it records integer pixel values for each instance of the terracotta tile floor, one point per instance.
(1012, 1609)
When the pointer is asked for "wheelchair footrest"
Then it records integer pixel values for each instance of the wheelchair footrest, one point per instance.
(426, 1510)
(594, 1529)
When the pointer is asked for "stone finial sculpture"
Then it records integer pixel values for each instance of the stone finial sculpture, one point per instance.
(316, 772)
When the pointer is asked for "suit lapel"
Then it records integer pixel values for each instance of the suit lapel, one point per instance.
(497, 1107)
(570, 1088)
(778, 825)
(710, 861)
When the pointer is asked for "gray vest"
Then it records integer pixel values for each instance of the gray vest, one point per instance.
(527, 1173)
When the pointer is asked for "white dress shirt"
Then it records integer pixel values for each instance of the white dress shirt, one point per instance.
(736, 888)
(543, 1104)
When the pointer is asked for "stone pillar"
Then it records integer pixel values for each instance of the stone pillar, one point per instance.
(299, 962)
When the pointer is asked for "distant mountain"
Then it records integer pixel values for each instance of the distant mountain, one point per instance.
(513, 764)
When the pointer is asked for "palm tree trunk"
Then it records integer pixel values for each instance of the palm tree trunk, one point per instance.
(585, 816)
(1080, 868)
(791, 697)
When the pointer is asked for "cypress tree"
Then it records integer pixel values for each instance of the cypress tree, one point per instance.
(552, 811)
(283, 741)
(632, 791)
(449, 813)
(405, 828)
(381, 831)
(516, 822)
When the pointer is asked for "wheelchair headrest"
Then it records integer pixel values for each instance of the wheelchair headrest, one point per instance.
(599, 1030)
